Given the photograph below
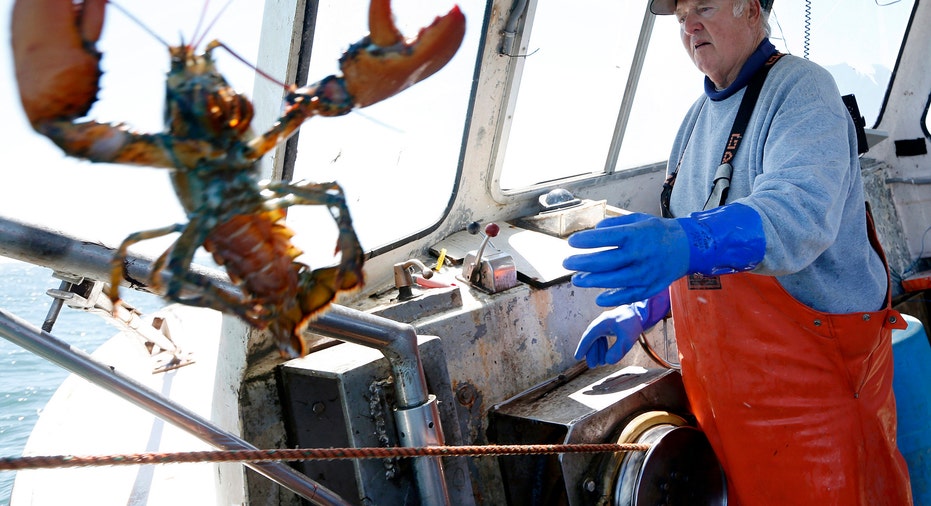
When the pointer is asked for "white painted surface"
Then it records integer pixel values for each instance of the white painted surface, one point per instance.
(83, 419)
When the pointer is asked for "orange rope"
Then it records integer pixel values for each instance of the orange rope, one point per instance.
(59, 461)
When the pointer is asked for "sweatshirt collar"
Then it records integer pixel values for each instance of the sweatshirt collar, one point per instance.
(754, 63)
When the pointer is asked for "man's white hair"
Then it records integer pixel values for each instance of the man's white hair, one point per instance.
(740, 5)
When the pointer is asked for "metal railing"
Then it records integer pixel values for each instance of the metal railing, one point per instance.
(417, 411)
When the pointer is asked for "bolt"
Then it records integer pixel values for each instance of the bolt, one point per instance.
(465, 394)
(318, 408)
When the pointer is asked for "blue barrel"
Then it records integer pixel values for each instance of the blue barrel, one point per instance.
(912, 385)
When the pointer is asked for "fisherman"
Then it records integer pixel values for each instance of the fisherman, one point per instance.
(777, 285)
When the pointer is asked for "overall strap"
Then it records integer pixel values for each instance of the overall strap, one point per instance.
(722, 175)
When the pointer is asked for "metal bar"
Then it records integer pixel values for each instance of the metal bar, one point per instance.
(25, 335)
(396, 341)
(627, 103)
(420, 427)
(63, 253)
(52, 316)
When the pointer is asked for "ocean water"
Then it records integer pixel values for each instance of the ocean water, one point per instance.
(26, 380)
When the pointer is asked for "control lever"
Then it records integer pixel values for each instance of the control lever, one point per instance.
(492, 273)
(403, 279)
(491, 230)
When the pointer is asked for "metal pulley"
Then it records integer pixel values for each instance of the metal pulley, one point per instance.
(679, 469)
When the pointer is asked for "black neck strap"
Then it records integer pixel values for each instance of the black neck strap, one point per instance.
(747, 104)
(722, 176)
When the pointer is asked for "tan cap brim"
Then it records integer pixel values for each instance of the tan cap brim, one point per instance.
(662, 7)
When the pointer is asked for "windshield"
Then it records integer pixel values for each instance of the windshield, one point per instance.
(577, 67)
(857, 41)
(397, 160)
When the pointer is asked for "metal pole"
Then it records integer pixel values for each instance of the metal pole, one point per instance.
(633, 78)
(396, 341)
(84, 258)
(24, 334)
(52, 316)
(417, 416)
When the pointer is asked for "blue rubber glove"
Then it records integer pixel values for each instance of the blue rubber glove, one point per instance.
(625, 323)
(646, 254)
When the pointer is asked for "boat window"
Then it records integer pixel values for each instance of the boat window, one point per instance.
(576, 70)
(397, 160)
(572, 84)
(857, 42)
(669, 85)
(928, 118)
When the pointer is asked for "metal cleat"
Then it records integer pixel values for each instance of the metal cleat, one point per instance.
(90, 296)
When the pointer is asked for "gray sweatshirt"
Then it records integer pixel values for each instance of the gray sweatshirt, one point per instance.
(797, 166)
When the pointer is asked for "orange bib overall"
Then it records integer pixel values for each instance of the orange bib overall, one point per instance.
(797, 404)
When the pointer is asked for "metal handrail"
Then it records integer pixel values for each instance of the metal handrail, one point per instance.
(396, 341)
(47, 346)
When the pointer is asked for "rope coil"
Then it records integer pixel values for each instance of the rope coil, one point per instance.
(63, 461)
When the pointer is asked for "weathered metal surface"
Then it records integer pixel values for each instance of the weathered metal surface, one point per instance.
(344, 396)
(888, 222)
(592, 407)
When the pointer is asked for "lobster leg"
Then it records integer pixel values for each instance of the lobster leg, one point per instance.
(210, 296)
(106, 143)
(117, 271)
(317, 288)
(349, 273)
(180, 256)
(177, 259)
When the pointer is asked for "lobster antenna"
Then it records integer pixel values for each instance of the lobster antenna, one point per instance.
(200, 20)
(136, 20)
(257, 70)
(197, 42)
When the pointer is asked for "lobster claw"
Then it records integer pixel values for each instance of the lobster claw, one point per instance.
(57, 66)
(384, 64)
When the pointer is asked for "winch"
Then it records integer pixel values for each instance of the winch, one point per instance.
(625, 405)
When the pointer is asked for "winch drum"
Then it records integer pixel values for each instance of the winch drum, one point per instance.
(680, 468)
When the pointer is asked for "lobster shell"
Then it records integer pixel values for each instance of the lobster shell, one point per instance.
(57, 66)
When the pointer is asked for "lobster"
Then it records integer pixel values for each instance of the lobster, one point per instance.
(208, 145)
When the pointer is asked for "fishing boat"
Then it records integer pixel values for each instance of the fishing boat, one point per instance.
(551, 117)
